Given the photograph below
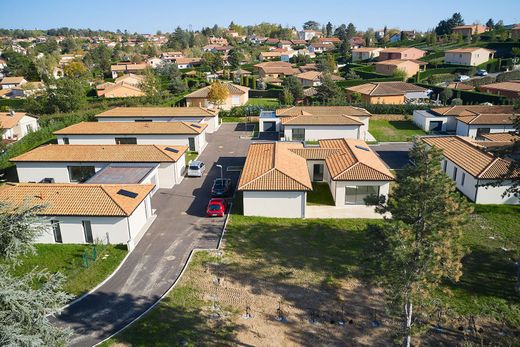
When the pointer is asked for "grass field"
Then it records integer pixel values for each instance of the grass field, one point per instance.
(318, 266)
(68, 259)
(320, 194)
(393, 130)
(263, 102)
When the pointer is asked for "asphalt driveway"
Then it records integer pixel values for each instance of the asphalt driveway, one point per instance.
(157, 260)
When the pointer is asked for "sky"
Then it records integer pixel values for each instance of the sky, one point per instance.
(165, 15)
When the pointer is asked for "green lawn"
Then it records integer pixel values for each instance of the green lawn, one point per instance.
(320, 194)
(393, 130)
(263, 102)
(68, 259)
(191, 156)
(319, 254)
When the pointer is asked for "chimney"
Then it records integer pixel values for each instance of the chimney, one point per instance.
(11, 113)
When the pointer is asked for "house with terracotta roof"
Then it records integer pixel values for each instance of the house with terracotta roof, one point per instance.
(194, 115)
(472, 56)
(275, 69)
(393, 53)
(136, 133)
(12, 82)
(121, 213)
(410, 67)
(509, 89)
(469, 30)
(365, 53)
(390, 93)
(466, 120)
(498, 140)
(314, 78)
(264, 56)
(15, 125)
(160, 165)
(187, 63)
(281, 174)
(237, 96)
(309, 34)
(126, 68)
(473, 170)
(313, 123)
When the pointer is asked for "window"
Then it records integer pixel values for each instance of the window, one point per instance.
(65, 140)
(56, 230)
(445, 165)
(455, 174)
(463, 179)
(126, 141)
(29, 128)
(191, 143)
(79, 174)
(298, 134)
(142, 120)
(482, 131)
(357, 195)
(87, 231)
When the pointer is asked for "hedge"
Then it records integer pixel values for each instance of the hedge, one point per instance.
(423, 75)
(469, 97)
(13, 104)
(268, 94)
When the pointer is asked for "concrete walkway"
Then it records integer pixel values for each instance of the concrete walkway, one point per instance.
(158, 258)
(342, 212)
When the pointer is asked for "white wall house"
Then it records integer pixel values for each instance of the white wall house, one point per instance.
(470, 120)
(82, 163)
(312, 123)
(15, 125)
(196, 115)
(142, 133)
(121, 215)
(287, 178)
(473, 170)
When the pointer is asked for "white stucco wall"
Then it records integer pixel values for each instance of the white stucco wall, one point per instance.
(339, 187)
(464, 129)
(422, 119)
(284, 204)
(318, 132)
(493, 195)
(179, 140)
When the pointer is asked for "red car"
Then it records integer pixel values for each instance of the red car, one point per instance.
(216, 207)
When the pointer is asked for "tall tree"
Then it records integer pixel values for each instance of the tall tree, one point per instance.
(311, 25)
(235, 57)
(445, 26)
(152, 87)
(218, 93)
(286, 97)
(327, 63)
(420, 245)
(294, 86)
(490, 24)
(329, 91)
(328, 29)
(351, 31)
(75, 69)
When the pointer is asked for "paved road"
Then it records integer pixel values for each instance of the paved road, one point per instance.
(157, 260)
(394, 154)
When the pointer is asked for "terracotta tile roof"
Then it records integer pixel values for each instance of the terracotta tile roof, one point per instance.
(399, 49)
(467, 156)
(277, 67)
(182, 60)
(233, 89)
(158, 112)
(322, 111)
(272, 166)
(321, 120)
(129, 67)
(103, 153)
(314, 153)
(386, 88)
(366, 49)
(310, 91)
(398, 62)
(354, 161)
(473, 110)
(484, 119)
(501, 137)
(510, 86)
(316, 76)
(12, 80)
(460, 86)
(468, 50)
(77, 199)
(133, 128)
(7, 121)
(270, 54)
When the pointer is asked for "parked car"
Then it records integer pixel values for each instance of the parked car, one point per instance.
(196, 168)
(481, 72)
(462, 78)
(222, 187)
(216, 207)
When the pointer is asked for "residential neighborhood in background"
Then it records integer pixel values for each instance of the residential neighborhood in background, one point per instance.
(240, 177)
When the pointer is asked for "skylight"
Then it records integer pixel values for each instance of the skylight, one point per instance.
(169, 149)
(196, 125)
(363, 148)
(127, 193)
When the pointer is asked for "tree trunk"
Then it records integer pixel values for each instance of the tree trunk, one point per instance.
(408, 309)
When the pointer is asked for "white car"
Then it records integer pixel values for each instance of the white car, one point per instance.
(463, 78)
(196, 168)
(481, 72)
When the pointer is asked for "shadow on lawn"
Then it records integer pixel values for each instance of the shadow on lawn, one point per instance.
(403, 125)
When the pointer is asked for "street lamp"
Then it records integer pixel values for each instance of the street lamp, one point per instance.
(221, 173)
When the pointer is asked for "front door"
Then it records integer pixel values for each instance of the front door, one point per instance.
(435, 126)
(269, 126)
(317, 172)
(191, 143)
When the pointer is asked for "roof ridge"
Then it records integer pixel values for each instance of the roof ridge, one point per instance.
(286, 175)
(112, 198)
(256, 178)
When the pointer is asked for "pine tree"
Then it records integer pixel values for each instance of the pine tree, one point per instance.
(420, 245)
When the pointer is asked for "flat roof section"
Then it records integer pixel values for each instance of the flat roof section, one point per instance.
(121, 174)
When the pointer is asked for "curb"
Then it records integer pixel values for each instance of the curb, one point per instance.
(183, 270)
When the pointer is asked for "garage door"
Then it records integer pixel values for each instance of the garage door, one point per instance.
(269, 126)
(435, 126)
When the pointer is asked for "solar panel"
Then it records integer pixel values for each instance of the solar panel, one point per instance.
(127, 193)
(196, 125)
(363, 148)
(169, 149)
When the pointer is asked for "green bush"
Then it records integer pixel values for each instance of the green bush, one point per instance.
(439, 78)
